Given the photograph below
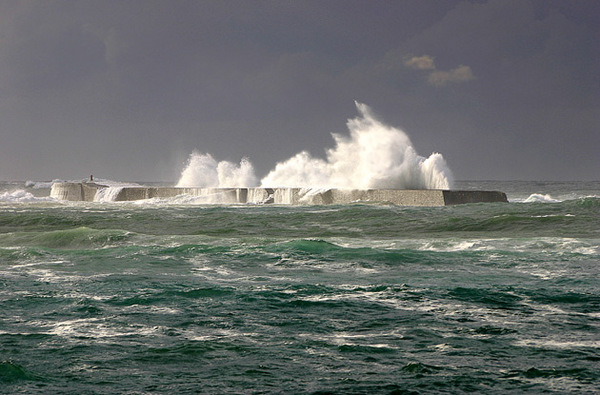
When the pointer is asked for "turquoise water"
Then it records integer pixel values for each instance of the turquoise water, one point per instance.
(152, 297)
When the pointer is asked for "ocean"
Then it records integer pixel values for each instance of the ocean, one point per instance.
(168, 297)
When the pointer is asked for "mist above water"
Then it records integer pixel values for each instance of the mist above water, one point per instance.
(374, 155)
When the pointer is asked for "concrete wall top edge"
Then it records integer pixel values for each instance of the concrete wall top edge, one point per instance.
(402, 197)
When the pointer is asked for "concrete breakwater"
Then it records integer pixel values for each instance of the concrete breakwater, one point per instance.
(87, 191)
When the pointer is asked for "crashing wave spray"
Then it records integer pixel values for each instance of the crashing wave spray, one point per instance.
(374, 156)
(203, 171)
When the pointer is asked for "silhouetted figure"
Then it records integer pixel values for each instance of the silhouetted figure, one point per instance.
(91, 178)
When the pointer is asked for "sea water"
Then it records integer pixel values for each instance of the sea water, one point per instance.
(168, 296)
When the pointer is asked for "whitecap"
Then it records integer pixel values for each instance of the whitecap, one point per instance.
(22, 196)
(41, 184)
(540, 198)
(558, 344)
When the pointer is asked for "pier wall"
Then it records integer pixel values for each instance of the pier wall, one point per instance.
(294, 196)
(75, 191)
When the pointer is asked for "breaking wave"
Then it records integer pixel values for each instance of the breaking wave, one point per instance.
(22, 196)
(540, 198)
(374, 155)
(203, 171)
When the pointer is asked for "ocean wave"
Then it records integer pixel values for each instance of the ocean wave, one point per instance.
(538, 197)
(11, 372)
(41, 184)
(548, 198)
(77, 238)
(555, 245)
(588, 202)
(22, 196)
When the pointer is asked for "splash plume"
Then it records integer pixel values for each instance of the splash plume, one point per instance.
(374, 155)
(202, 170)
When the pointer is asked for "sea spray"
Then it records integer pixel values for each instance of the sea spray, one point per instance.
(22, 196)
(202, 170)
(108, 194)
(375, 155)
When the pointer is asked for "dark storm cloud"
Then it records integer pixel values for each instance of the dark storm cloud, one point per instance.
(126, 89)
(536, 72)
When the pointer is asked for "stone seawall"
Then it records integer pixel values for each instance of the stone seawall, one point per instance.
(296, 196)
(75, 191)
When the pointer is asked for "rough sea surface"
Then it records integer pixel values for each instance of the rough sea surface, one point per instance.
(163, 297)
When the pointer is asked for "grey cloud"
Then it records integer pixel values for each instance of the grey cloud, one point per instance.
(439, 78)
(535, 67)
(424, 62)
(50, 57)
(127, 86)
(460, 74)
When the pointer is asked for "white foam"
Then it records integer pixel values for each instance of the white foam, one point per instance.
(107, 194)
(374, 155)
(41, 184)
(95, 328)
(113, 189)
(203, 171)
(21, 196)
(539, 198)
(552, 216)
(113, 183)
(546, 245)
(451, 246)
(558, 344)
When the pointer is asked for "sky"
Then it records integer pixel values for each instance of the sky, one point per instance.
(126, 90)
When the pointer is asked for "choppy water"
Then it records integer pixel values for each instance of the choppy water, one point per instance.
(167, 298)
